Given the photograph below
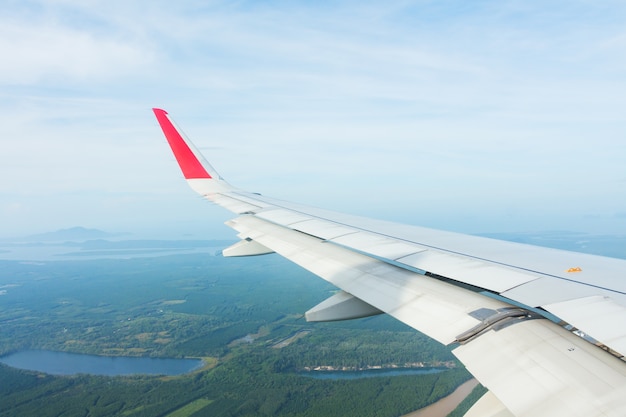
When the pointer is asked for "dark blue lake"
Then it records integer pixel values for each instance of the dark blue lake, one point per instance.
(370, 373)
(63, 363)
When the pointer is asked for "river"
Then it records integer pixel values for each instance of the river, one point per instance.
(63, 363)
(446, 405)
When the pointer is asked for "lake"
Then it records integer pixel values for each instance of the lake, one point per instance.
(370, 373)
(63, 363)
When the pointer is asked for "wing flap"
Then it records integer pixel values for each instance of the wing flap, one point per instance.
(539, 369)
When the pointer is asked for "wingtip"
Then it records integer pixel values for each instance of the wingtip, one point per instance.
(190, 163)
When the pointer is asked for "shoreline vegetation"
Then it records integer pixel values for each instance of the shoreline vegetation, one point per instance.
(389, 367)
(243, 317)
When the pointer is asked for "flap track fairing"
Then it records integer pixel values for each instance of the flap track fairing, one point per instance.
(246, 247)
(341, 306)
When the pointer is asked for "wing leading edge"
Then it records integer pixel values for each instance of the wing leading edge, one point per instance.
(491, 299)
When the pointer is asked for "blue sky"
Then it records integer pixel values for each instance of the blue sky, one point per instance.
(485, 116)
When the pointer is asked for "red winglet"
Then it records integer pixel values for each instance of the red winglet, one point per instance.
(189, 163)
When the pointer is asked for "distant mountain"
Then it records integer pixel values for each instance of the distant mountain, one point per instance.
(71, 234)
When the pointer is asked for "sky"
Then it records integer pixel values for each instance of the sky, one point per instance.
(477, 117)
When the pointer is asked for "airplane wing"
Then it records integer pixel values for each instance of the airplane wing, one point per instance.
(543, 329)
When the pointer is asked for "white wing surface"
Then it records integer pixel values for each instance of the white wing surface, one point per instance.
(543, 329)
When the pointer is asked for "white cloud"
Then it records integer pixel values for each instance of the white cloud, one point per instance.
(509, 106)
(35, 52)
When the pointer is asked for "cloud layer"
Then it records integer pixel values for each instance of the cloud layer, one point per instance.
(490, 116)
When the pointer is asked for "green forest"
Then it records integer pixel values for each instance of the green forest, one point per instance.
(243, 316)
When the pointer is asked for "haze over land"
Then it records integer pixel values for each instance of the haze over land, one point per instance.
(79, 242)
(243, 316)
